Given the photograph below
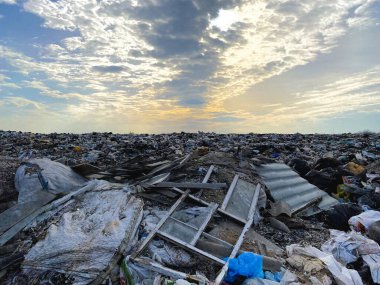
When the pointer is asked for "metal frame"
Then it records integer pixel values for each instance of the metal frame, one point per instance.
(189, 247)
(213, 207)
(238, 244)
(229, 193)
(200, 231)
(159, 225)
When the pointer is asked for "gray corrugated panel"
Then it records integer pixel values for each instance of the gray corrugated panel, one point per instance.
(286, 185)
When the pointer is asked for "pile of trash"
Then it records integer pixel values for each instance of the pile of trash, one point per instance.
(189, 208)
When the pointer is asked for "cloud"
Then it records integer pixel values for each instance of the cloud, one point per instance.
(108, 69)
(157, 44)
(175, 45)
(358, 92)
(364, 15)
(176, 58)
(10, 2)
(225, 19)
(44, 90)
(9, 85)
(5, 83)
(3, 77)
(281, 35)
(20, 102)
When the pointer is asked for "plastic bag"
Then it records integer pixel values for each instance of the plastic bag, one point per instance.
(363, 221)
(38, 175)
(247, 264)
(374, 231)
(169, 255)
(299, 165)
(347, 247)
(342, 275)
(338, 216)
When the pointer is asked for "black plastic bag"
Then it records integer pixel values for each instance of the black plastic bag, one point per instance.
(337, 217)
(299, 165)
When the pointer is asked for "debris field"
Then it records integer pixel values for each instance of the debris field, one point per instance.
(189, 208)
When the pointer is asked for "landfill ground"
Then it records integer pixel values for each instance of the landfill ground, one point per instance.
(338, 174)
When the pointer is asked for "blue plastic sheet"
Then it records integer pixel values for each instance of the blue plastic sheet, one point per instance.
(247, 264)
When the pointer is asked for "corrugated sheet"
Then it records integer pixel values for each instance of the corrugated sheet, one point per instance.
(286, 185)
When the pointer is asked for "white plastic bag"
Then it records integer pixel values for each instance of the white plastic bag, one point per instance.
(38, 175)
(342, 275)
(362, 221)
(347, 247)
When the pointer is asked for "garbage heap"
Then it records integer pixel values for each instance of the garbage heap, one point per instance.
(189, 208)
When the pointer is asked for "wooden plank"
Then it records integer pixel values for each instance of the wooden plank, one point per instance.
(189, 247)
(167, 193)
(229, 193)
(238, 244)
(160, 168)
(191, 185)
(175, 164)
(158, 226)
(155, 164)
(183, 161)
(213, 208)
(208, 174)
(155, 179)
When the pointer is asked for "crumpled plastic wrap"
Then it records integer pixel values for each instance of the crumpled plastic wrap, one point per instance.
(347, 247)
(342, 275)
(85, 239)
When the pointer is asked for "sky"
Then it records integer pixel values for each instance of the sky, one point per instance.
(158, 66)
